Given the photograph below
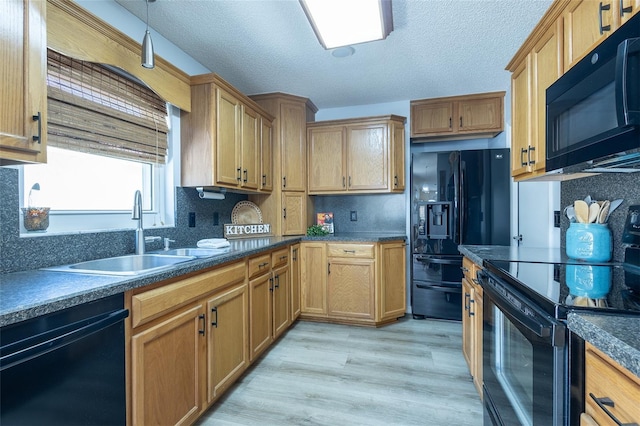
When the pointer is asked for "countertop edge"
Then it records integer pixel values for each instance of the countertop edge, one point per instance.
(604, 332)
(84, 288)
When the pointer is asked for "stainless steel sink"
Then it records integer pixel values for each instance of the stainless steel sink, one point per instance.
(133, 264)
(194, 251)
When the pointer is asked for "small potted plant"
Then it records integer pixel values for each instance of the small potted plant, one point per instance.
(35, 218)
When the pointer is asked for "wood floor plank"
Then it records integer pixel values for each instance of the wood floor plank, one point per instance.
(408, 373)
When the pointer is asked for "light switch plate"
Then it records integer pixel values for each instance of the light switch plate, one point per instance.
(354, 215)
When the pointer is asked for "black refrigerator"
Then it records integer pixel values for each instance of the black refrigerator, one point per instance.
(458, 197)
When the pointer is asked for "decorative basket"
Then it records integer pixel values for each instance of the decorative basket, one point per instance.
(36, 218)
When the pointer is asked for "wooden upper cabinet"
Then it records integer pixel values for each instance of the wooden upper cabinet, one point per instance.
(428, 118)
(586, 24)
(293, 153)
(356, 155)
(628, 8)
(23, 90)
(458, 117)
(398, 152)
(294, 213)
(327, 165)
(222, 138)
(266, 155)
(250, 158)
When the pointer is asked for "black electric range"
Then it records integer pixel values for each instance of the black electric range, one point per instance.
(558, 288)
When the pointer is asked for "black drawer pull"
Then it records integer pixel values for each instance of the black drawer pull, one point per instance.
(605, 402)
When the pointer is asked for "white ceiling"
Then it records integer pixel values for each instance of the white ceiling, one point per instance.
(437, 48)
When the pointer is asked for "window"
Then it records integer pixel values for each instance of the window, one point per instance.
(108, 136)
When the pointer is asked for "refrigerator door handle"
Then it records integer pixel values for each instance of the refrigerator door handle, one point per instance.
(463, 207)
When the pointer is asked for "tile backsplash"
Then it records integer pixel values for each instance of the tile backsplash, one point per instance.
(606, 186)
(19, 254)
(375, 212)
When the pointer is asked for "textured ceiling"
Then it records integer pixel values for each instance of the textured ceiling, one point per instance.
(437, 48)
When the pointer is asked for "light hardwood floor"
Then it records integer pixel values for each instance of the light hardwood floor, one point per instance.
(408, 373)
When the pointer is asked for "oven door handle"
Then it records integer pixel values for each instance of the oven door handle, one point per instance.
(441, 261)
(543, 330)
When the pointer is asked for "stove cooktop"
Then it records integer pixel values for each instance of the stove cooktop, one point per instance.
(561, 287)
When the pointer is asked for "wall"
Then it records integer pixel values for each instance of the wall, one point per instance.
(604, 187)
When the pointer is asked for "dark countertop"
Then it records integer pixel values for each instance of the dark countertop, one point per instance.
(29, 294)
(616, 335)
(479, 253)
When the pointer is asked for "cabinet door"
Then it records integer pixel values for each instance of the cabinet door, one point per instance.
(430, 118)
(23, 50)
(293, 134)
(546, 68)
(350, 286)
(313, 279)
(628, 8)
(281, 317)
(327, 166)
(477, 339)
(520, 118)
(228, 170)
(480, 115)
(295, 282)
(250, 141)
(260, 320)
(367, 157)
(397, 138)
(228, 339)
(467, 337)
(586, 24)
(266, 154)
(393, 296)
(166, 367)
(294, 213)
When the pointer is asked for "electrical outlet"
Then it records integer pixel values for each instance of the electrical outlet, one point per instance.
(556, 218)
(354, 215)
(216, 219)
(192, 219)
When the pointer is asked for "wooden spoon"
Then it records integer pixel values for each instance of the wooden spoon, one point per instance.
(604, 212)
(582, 211)
(594, 210)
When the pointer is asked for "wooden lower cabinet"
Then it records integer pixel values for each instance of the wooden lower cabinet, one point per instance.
(280, 304)
(167, 369)
(295, 281)
(472, 306)
(355, 283)
(227, 352)
(350, 288)
(615, 387)
(189, 342)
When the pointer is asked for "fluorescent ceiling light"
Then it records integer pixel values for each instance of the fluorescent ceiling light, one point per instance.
(345, 22)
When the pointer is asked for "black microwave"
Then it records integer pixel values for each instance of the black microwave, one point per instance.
(593, 110)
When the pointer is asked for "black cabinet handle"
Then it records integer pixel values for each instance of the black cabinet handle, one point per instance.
(38, 137)
(328, 268)
(471, 313)
(623, 9)
(246, 175)
(395, 181)
(277, 281)
(531, 148)
(284, 181)
(460, 121)
(215, 311)
(602, 8)
(201, 317)
(450, 122)
(522, 152)
(239, 178)
(349, 181)
(284, 212)
(344, 182)
(271, 285)
(295, 255)
(605, 401)
(467, 297)
(264, 180)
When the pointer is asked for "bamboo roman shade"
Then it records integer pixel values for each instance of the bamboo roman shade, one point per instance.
(95, 110)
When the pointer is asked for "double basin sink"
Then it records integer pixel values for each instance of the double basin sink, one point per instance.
(137, 264)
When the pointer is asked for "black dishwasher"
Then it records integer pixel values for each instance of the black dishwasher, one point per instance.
(65, 368)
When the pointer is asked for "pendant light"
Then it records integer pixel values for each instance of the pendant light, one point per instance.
(147, 59)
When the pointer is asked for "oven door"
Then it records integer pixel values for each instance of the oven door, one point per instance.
(524, 363)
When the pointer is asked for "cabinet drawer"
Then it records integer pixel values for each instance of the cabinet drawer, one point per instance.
(350, 250)
(259, 265)
(280, 258)
(469, 270)
(154, 303)
(607, 379)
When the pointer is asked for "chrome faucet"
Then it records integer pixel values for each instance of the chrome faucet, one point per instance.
(137, 215)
